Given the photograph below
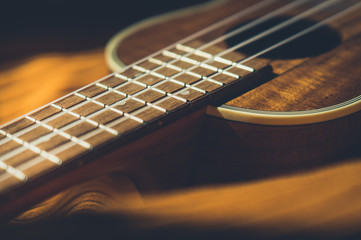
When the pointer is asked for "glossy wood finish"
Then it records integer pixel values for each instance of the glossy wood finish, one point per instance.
(300, 84)
(314, 89)
(315, 203)
(83, 136)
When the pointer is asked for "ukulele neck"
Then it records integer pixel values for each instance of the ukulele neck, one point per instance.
(119, 107)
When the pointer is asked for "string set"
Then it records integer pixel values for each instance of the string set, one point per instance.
(246, 12)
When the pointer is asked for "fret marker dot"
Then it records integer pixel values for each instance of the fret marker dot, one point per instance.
(185, 93)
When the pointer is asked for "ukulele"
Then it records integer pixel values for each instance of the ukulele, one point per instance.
(297, 109)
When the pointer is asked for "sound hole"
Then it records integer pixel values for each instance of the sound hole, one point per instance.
(314, 43)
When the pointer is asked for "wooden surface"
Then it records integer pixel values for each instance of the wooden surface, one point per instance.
(322, 202)
(84, 137)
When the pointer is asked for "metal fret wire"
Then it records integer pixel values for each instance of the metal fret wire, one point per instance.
(242, 13)
(262, 52)
(269, 31)
(29, 146)
(216, 57)
(60, 131)
(111, 108)
(248, 41)
(228, 35)
(93, 122)
(96, 124)
(85, 144)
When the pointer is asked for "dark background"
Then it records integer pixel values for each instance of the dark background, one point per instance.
(70, 25)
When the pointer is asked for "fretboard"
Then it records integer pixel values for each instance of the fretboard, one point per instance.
(150, 93)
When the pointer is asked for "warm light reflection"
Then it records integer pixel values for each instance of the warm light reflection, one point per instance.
(35, 81)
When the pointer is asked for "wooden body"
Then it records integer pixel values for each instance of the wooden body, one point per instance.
(230, 150)
(283, 131)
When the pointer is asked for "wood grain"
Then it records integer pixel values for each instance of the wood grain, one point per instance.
(319, 202)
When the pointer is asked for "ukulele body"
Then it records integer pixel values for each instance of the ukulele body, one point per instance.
(281, 126)
(221, 147)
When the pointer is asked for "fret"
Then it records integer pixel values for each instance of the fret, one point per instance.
(170, 86)
(11, 172)
(98, 137)
(61, 120)
(149, 114)
(208, 85)
(214, 51)
(198, 70)
(126, 124)
(161, 57)
(155, 86)
(87, 108)
(60, 131)
(176, 51)
(182, 64)
(230, 58)
(150, 95)
(149, 79)
(34, 133)
(192, 77)
(91, 91)
(168, 70)
(175, 81)
(132, 73)
(129, 105)
(105, 116)
(51, 142)
(112, 108)
(170, 103)
(12, 153)
(27, 146)
(69, 150)
(112, 81)
(130, 88)
(187, 78)
(69, 101)
(87, 125)
(204, 70)
(80, 128)
(8, 145)
(143, 97)
(2, 136)
(217, 64)
(190, 94)
(148, 65)
(110, 97)
(196, 52)
(45, 113)
(238, 71)
(225, 78)
(36, 166)
(122, 102)
(18, 125)
(175, 57)
(18, 157)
